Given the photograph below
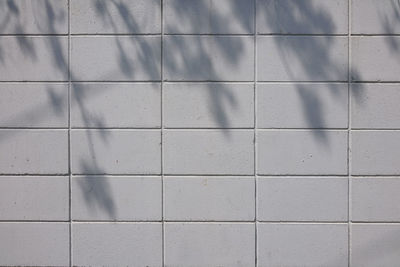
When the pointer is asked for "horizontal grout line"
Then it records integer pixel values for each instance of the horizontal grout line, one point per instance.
(76, 221)
(114, 174)
(166, 221)
(303, 222)
(219, 177)
(159, 174)
(376, 222)
(78, 129)
(302, 82)
(33, 34)
(203, 222)
(206, 82)
(207, 175)
(375, 35)
(116, 222)
(128, 175)
(211, 34)
(193, 129)
(201, 34)
(330, 129)
(34, 221)
(169, 175)
(366, 81)
(113, 34)
(117, 175)
(275, 129)
(120, 82)
(213, 222)
(301, 175)
(116, 128)
(304, 34)
(173, 222)
(208, 128)
(31, 81)
(198, 81)
(76, 34)
(33, 128)
(359, 176)
(260, 176)
(302, 129)
(257, 221)
(35, 82)
(33, 174)
(375, 130)
(82, 81)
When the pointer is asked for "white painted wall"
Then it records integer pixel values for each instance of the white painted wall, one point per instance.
(200, 133)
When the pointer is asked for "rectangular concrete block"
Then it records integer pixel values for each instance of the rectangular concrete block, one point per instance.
(33, 151)
(216, 58)
(375, 152)
(302, 105)
(197, 244)
(307, 152)
(209, 198)
(33, 105)
(302, 245)
(302, 16)
(34, 17)
(209, 16)
(34, 244)
(375, 199)
(375, 245)
(34, 198)
(115, 152)
(375, 58)
(302, 199)
(375, 17)
(116, 198)
(116, 58)
(302, 58)
(208, 152)
(375, 106)
(33, 58)
(208, 105)
(116, 105)
(117, 244)
(123, 16)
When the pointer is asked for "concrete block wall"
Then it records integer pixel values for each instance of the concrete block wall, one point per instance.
(199, 133)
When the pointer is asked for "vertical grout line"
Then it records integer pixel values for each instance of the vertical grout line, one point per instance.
(162, 136)
(349, 206)
(69, 131)
(255, 131)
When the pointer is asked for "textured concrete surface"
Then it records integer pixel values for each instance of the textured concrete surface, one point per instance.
(200, 133)
(209, 198)
(303, 244)
(216, 244)
(302, 199)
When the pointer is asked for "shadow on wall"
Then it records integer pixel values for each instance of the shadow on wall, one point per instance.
(190, 57)
(308, 58)
(389, 22)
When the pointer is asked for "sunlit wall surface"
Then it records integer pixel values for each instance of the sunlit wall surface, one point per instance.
(200, 133)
